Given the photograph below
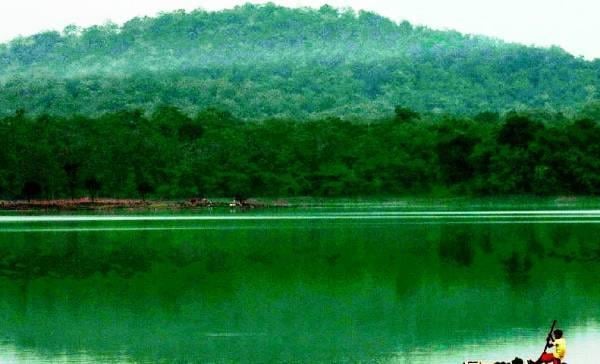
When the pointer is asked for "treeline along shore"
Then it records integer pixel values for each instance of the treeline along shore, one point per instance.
(166, 154)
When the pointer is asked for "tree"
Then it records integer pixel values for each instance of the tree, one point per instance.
(31, 189)
(453, 155)
(93, 186)
(518, 131)
(169, 119)
(404, 114)
(144, 188)
(71, 170)
(190, 131)
(487, 117)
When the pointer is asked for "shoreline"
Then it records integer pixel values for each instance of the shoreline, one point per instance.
(107, 204)
(408, 202)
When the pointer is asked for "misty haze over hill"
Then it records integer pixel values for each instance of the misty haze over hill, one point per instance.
(259, 61)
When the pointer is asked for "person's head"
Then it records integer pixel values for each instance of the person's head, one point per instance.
(558, 334)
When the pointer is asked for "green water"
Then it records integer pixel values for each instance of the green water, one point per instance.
(337, 284)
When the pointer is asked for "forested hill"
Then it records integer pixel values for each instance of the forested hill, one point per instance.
(262, 61)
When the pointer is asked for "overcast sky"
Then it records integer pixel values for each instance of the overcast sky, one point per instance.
(572, 24)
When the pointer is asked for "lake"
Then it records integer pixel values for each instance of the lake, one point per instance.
(384, 283)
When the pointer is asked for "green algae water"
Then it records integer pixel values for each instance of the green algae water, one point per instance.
(351, 283)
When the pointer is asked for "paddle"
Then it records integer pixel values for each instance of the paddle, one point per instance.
(549, 336)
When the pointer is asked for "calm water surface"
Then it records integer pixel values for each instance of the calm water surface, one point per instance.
(359, 283)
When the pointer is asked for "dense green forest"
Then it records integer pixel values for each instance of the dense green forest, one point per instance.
(172, 155)
(260, 61)
(263, 100)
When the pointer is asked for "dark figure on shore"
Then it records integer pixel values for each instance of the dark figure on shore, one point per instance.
(560, 349)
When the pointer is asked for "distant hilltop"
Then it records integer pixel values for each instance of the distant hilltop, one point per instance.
(259, 61)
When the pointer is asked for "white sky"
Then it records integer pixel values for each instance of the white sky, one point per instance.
(571, 24)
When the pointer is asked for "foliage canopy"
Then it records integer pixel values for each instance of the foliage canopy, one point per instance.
(260, 61)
